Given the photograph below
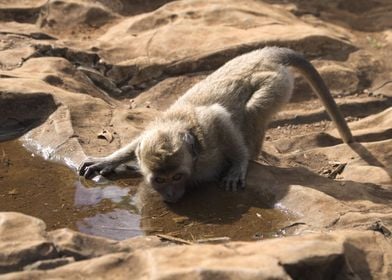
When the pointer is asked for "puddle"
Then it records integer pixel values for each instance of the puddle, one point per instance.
(210, 212)
(53, 193)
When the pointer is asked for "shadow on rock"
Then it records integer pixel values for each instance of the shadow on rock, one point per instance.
(20, 113)
(367, 156)
(362, 15)
(283, 179)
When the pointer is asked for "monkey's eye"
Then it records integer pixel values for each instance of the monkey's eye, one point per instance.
(159, 180)
(177, 177)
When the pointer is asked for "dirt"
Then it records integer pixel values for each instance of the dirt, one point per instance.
(53, 192)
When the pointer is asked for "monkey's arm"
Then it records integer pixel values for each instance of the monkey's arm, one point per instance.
(105, 165)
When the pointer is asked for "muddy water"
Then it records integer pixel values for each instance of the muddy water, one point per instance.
(53, 193)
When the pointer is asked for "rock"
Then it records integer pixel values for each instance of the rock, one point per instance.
(81, 246)
(79, 13)
(23, 240)
(339, 255)
(222, 31)
(14, 57)
(24, 244)
(49, 264)
(162, 95)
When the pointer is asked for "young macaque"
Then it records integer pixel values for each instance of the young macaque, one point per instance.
(217, 126)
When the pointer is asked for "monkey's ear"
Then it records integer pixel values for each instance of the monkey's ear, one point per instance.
(191, 140)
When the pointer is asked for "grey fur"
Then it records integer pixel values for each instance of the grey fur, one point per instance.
(212, 131)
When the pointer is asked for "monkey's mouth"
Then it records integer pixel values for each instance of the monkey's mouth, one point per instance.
(172, 199)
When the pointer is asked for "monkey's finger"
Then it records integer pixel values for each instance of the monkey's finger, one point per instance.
(106, 171)
(83, 166)
(241, 184)
(82, 171)
(88, 162)
(90, 172)
(230, 185)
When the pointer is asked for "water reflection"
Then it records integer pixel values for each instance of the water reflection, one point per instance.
(90, 196)
(118, 224)
(55, 194)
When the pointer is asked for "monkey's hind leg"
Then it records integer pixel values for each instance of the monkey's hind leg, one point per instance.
(254, 129)
(274, 91)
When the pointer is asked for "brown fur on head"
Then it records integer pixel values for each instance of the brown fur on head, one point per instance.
(160, 150)
(166, 161)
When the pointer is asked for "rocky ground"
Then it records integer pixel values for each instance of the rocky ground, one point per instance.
(84, 77)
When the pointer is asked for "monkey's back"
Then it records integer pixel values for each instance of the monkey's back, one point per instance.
(234, 84)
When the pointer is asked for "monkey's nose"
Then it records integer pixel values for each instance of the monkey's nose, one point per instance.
(171, 199)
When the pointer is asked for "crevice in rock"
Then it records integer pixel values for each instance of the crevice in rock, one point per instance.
(33, 35)
(76, 57)
(143, 78)
(49, 264)
(333, 266)
(334, 222)
(42, 251)
(380, 227)
(310, 46)
(22, 15)
(88, 63)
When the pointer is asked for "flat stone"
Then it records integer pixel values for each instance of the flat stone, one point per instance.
(339, 255)
(23, 240)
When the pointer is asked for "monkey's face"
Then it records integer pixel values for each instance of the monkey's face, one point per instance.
(166, 163)
(170, 185)
(171, 181)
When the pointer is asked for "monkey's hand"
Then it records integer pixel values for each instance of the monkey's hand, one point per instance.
(234, 179)
(94, 166)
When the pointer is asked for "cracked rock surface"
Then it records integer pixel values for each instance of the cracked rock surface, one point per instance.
(72, 69)
(64, 254)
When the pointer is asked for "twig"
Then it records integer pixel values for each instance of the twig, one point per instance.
(122, 228)
(214, 240)
(338, 170)
(174, 239)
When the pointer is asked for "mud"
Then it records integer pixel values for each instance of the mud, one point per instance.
(54, 193)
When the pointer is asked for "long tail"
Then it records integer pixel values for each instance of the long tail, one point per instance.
(289, 57)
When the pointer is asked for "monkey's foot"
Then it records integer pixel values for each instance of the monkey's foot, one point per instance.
(93, 166)
(233, 180)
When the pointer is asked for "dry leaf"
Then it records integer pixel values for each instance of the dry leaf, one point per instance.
(105, 134)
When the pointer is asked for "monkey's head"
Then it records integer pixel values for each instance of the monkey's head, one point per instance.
(166, 160)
